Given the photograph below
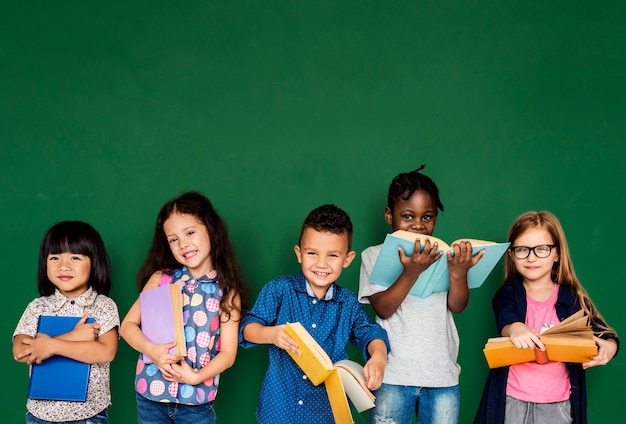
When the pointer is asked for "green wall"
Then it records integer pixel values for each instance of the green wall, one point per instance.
(271, 108)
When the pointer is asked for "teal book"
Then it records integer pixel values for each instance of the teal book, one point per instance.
(436, 278)
(58, 377)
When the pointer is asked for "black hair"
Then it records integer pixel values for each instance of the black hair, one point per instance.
(80, 238)
(328, 218)
(405, 184)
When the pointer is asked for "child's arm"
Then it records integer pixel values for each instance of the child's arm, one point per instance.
(229, 332)
(385, 303)
(131, 332)
(522, 336)
(82, 344)
(270, 334)
(374, 368)
(607, 348)
(459, 265)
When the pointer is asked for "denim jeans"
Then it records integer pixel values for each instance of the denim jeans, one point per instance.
(150, 412)
(431, 405)
(101, 418)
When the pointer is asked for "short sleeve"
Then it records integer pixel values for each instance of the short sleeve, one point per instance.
(368, 259)
(29, 320)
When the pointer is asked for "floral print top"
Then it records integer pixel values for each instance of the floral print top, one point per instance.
(104, 310)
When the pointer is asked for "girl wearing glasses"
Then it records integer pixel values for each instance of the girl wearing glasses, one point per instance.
(541, 288)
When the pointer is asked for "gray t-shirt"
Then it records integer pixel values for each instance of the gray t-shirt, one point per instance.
(422, 334)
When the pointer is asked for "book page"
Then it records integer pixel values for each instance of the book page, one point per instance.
(407, 235)
(353, 380)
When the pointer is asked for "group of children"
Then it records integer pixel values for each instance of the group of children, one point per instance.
(410, 350)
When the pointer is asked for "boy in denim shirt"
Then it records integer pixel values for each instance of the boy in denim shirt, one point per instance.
(329, 312)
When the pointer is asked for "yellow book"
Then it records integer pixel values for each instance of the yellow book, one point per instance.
(569, 341)
(341, 378)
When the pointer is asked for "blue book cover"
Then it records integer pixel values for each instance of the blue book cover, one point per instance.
(436, 278)
(58, 377)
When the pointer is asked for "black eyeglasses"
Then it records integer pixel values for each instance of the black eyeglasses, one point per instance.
(541, 251)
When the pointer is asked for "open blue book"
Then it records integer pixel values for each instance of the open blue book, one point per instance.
(437, 277)
(58, 377)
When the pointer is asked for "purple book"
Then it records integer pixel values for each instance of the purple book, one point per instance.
(162, 317)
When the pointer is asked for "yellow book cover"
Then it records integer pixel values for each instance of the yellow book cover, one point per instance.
(341, 379)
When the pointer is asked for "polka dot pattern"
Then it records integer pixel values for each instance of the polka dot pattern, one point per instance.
(201, 299)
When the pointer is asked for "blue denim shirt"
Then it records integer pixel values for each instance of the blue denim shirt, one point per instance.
(287, 396)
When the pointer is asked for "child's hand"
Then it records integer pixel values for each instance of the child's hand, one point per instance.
(524, 337)
(83, 331)
(38, 349)
(606, 352)
(415, 264)
(462, 260)
(162, 358)
(185, 373)
(374, 370)
(281, 339)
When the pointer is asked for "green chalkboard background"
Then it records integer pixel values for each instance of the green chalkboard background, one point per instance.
(271, 108)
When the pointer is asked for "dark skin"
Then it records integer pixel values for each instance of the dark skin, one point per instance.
(418, 214)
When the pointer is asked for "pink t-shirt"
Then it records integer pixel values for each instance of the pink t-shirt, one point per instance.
(532, 382)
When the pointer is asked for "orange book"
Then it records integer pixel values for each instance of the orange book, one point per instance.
(341, 378)
(571, 340)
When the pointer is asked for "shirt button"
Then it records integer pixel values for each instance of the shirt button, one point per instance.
(72, 302)
(300, 402)
(314, 325)
(315, 301)
(304, 377)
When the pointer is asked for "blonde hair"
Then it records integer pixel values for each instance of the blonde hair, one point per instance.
(562, 271)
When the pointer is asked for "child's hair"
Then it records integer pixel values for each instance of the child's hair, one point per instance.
(406, 183)
(80, 238)
(160, 257)
(562, 271)
(328, 218)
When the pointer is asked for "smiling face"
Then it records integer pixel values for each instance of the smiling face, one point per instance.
(69, 272)
(417, 214)
(189, 242)
(534, 269)
(323, 256)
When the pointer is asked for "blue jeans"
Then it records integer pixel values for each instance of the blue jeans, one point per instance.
(431, 405)
(150, 412)
(101, 418)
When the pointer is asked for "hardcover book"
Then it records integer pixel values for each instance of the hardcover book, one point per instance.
(571, 340)
(162, 317)
(58, 377)
(436, 278)
(341, 378)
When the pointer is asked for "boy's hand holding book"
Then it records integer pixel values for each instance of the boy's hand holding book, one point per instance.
(420, 259)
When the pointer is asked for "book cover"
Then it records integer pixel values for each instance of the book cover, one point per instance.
(569, 341)
(340, 379)
(162, 317)
(58, 377)
(436, 278)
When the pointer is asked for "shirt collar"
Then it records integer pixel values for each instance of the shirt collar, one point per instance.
(327, 296)
(211, 277)
(58, 300)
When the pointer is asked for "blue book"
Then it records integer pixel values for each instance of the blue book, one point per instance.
(58, 377)
(436, 278)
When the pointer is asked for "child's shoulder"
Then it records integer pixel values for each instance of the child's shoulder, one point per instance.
(287, 280)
